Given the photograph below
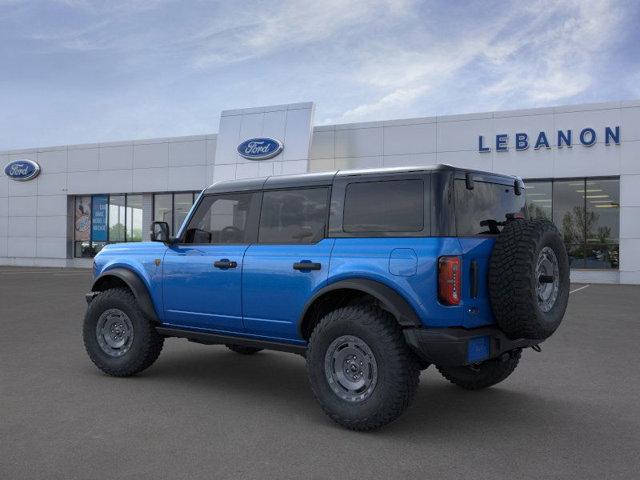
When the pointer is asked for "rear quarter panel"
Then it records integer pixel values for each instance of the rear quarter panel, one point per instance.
(376, 259)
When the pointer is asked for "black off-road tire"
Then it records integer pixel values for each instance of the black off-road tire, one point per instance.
(242, 350)
(513, 279)
(397, 367)
(483, 375)
(146, 344)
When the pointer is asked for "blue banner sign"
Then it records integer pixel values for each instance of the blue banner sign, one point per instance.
(99, 205)
(565, 138)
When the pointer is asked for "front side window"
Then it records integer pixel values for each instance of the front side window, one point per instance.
(384, 206)
(296, 216)
(221, 219)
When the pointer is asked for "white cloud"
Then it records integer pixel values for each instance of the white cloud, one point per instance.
(166, 67)
(287, 25)
(555, 63)
(544, 52)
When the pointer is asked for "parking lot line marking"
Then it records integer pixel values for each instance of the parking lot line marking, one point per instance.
(579, 288)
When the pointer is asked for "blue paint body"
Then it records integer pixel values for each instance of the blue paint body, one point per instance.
(264, 297)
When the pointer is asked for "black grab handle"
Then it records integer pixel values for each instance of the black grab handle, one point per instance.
(307, 266)
(224, 263)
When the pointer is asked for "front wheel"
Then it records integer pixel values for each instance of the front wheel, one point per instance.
(361, 371)
(483, 375)
(119, 339)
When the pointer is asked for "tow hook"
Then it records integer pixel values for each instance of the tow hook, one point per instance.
(536, 348)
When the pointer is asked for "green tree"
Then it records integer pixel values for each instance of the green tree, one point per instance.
(116, 233)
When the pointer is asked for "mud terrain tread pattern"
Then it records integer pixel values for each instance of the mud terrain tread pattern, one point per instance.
(489, 373)
(404, 371)
(242, 350)
(510, 278)
(148, 351)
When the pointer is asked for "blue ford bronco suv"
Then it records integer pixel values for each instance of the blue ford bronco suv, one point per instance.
(371, 275)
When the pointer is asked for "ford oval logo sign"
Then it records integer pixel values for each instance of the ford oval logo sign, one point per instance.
(260, 148)
(22, 170)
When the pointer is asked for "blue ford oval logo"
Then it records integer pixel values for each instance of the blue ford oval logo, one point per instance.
(260, 148)
(22, 170)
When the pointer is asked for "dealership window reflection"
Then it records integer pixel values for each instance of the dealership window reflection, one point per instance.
(133, 228)
(173, 208)
(117, 218)
(587, 213)
(102, 219)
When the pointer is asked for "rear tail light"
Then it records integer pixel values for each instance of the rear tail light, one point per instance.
(449, 280)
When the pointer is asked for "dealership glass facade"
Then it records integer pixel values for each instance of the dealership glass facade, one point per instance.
(173, 208)
(102, 219)
(587, 213)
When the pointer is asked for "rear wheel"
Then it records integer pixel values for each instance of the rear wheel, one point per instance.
(241, 349)
(361, 371)
(482, 375)
(119, 339)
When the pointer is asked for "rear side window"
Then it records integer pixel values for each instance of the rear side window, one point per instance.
(384, 206)
(295, 216)
(482, 210)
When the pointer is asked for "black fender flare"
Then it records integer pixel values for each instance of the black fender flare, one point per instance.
(135, 284)
(389, 299)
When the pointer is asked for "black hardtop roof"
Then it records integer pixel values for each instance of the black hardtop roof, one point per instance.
(327, 178)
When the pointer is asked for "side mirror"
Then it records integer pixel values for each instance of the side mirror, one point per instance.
(159, 232)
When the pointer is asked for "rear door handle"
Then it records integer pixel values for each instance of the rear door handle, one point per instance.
(225, 263)
(306, 265)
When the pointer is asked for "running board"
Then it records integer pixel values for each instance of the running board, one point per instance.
(217, 339)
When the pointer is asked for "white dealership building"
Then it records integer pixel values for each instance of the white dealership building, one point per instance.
(581, 163)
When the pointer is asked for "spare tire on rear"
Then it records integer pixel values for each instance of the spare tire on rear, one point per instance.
(529, 279)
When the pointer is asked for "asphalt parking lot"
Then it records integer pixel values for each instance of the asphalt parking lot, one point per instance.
(572, 411)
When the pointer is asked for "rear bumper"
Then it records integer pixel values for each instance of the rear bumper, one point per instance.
(461, 346)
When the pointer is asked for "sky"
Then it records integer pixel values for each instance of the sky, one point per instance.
(80, 71)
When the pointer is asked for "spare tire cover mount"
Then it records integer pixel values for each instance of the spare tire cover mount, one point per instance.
(548, 276)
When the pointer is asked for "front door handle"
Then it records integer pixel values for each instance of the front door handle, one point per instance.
(225, 263)
(306, 265)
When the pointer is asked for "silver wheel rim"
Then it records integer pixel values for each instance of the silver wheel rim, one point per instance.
(351, 368)
(547, 279)
(114, 332)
